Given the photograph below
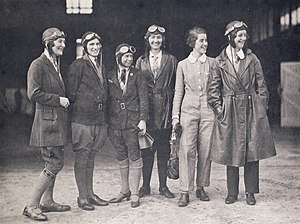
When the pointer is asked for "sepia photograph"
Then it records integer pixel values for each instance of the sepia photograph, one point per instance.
(150, 111)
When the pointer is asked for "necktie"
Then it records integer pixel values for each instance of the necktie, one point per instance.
(123, 76)
(155, 66)
(237, 59)
(97, 63)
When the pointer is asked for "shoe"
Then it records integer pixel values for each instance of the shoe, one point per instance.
(85, 204)
(230, 199)
(183, 200)
(135, 204)
(202, 195)
(34, 213)
(144, 191)
(95, 200)
(120, 197)
(250, 199)
(166, 192)
(54, 207)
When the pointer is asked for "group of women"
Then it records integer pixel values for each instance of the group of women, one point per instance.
(220, 104)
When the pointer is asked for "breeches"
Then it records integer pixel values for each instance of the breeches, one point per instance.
(54, 158)
(126, 144)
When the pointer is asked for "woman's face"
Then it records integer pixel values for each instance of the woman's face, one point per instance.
(127, 59)
(201, 44)
(155, 41)
(93, 47)
(59, 46)
(240, 39)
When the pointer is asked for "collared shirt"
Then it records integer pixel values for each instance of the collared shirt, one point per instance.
(231, 55)
(152, 59)
(193, 59)
(122, 85)
(54, 63)
(93, 59)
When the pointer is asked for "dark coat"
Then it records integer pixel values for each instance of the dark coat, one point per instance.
(161, 89)
(126, 110)
(44, 87)
(87, 94)
(241, 131)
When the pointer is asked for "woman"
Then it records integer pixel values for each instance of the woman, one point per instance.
(159, 68)
(87, 91)
(128, 112)
(238, 96)
(190, 108)
(49, 130)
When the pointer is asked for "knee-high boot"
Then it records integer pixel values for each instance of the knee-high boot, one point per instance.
(45, 179)
(80, 167)
(148, 161)
(135, 177)
(90, 174)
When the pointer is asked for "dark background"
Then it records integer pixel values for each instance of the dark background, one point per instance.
(116, 21)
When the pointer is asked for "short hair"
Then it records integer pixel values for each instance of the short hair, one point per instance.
(192, 35)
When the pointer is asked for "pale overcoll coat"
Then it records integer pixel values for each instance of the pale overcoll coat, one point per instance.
(240, 100)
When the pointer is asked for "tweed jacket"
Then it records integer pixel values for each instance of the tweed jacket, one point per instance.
(240, 100)
(86, 92)
(126, 110)
(161, 89)
(44, 87)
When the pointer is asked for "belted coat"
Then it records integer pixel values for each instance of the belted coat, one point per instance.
(87, 92)
(44, 87)
(240, 100)
(128, 108)
(160, 89)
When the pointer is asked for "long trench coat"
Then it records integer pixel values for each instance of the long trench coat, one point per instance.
(161, 89)
(239, 99)
(44, 87)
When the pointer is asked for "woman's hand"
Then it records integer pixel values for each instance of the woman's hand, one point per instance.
(64, 102)
(142, 127)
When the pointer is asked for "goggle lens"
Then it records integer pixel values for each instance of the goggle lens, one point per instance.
(126, 49)
(235, 26)
(153, 28)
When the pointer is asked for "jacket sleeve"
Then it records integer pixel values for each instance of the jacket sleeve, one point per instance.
(214, 91)
(35, 89)
(73, 80)
(179, 91)
(143, 96)
(261, 86)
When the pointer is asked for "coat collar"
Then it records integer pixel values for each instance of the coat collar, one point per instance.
(193, 59)
(225, 63)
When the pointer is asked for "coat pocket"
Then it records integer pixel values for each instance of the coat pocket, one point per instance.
(50, 120)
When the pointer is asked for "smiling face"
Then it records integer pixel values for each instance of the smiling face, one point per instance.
(155, 41)
(240, 39)
(93, 47)
(201, 44)
(58, 47)
(127, 59)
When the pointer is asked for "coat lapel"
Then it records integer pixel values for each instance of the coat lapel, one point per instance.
(89, 63)
(163, 62)
(53, 71)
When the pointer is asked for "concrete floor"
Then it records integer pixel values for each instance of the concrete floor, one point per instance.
(20, 165)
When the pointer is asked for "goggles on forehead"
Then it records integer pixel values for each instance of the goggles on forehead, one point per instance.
(126, 49)
(56, 35)
(90, 37)
(235, 26)
(153, 28)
